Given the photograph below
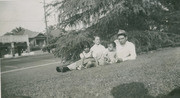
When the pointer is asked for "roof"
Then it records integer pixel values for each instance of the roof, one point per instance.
(14, 38)
(31, 34)
(56, 32)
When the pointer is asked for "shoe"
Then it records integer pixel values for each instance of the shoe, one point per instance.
(64, 69)
(79, 68)
(58, 69)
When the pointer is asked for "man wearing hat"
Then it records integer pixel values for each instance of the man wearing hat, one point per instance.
(125, 50)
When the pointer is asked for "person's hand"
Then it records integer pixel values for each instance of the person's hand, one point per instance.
(105, 58)
(97, 63)
(80, 67)
(119, 60)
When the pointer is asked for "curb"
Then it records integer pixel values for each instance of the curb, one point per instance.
(25, 56)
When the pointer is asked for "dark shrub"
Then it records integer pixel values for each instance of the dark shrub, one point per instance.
(34, 48)
(69, 46)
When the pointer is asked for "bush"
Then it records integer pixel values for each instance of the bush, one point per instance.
(45, 48)
(69, 46)
(49, 47)
(150, 40)
(34, 48)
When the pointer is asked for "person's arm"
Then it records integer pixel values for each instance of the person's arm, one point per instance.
(105, 55)
(92, 52)
(81, 56)
(132, 55)
(116, 42)
(94, 55)
(82, 59)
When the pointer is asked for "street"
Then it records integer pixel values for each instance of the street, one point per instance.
(27, 61)
(35, 70)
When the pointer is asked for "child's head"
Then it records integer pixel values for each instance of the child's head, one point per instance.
(86, 48)
(97, 40)
(111, 46)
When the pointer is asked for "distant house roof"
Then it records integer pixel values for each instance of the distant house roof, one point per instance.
(14, 38)
(56, 32)
(31, 34)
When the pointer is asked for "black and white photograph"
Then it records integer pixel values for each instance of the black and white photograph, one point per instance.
(90, 48)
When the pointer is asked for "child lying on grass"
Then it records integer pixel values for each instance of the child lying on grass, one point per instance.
(86, 61)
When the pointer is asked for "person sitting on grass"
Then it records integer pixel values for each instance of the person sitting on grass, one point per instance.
(86, 61)
(98, 51)
(110, 54)
(125, 50)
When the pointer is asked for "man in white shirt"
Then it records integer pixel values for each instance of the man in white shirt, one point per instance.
(125, 50)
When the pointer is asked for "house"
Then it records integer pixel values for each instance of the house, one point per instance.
(13, 44)
(24, 40)
(35, 38)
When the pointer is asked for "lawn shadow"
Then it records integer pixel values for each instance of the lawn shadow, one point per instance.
(138, 90)
(130, 90)
(175, 93)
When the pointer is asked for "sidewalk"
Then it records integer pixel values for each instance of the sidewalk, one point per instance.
(32, 53)
(39, 52)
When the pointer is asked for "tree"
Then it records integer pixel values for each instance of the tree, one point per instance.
(106, 17)
(18, 31)
(124, 13)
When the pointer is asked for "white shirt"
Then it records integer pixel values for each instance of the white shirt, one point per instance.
(98, 51)
(85, 55)
(126, 51)
(111, 55)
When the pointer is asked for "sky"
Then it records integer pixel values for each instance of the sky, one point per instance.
(28, 14)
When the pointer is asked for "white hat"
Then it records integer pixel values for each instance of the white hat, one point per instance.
(121, 31)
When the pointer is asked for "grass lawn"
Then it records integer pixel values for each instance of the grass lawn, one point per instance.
(151, 75)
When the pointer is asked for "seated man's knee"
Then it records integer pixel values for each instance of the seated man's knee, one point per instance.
(89, 64)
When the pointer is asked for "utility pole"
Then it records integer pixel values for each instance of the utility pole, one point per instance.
(45, 20)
